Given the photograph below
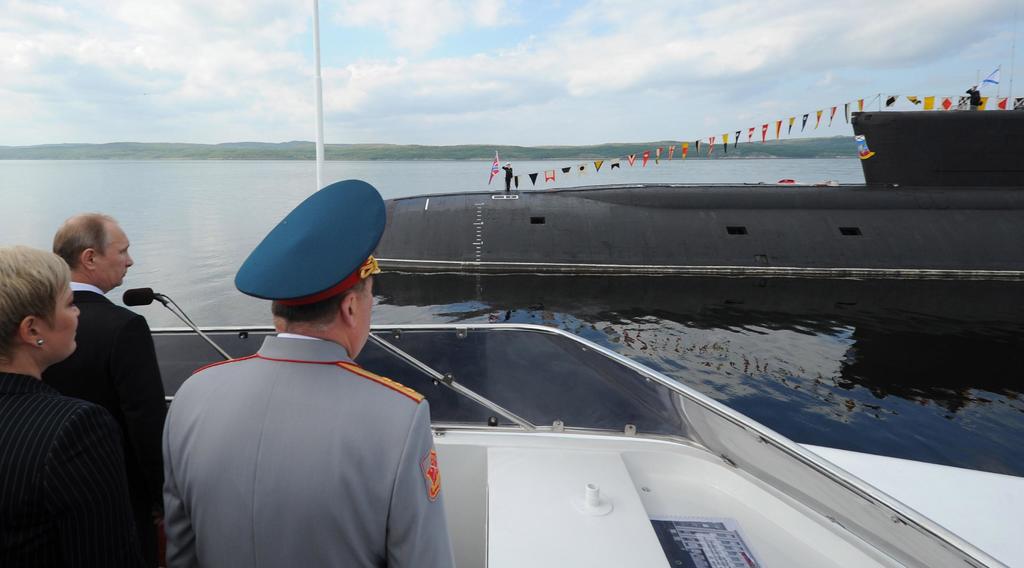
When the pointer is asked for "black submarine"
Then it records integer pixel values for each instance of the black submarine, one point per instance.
(943, 198)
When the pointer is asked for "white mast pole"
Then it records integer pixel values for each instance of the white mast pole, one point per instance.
(319, 99)
(1013, 51)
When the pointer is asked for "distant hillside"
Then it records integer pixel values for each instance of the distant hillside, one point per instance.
(834, 147)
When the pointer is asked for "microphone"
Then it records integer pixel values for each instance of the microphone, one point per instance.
(139, 297)
(145, 297)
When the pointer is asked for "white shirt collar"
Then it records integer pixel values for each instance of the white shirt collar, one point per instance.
(81, 287)
(285, 335)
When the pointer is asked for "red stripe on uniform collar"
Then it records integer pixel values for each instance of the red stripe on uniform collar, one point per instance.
(299, 360)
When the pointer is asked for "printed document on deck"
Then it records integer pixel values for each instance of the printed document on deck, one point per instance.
(704, 542)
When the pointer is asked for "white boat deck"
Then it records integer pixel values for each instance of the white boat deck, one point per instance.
(514, 500)
(513, 495)
(983, 508)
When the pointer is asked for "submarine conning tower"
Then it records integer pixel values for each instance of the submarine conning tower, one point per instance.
(964, 149)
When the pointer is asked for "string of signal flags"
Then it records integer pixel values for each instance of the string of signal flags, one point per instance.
(778, 128)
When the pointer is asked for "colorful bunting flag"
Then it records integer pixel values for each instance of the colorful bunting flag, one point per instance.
(963, 103)
(495, 168)
(862, 147)
(1018, 103)
(928, 103)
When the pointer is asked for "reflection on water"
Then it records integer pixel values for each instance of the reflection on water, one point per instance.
(926, 370)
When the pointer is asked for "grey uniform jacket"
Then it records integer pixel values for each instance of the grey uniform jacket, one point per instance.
(297, 457)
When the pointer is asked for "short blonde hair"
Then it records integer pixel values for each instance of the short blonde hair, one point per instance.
(32, 281)
(83, 231)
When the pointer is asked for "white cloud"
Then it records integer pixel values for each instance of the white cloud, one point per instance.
(674, 54)
(190, 70)
(94, 62)
(419, 25)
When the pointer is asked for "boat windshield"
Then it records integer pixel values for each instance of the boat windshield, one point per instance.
(542, 375)
(508, 374)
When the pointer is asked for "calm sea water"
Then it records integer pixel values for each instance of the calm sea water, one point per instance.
(921, 370)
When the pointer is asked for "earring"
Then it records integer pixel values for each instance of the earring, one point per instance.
(40, 342)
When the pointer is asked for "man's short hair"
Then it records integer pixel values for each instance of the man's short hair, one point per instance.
(84, 231)
(321, 312)
(32, 280)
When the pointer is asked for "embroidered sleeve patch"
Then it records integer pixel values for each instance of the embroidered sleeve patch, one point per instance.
(431, 474)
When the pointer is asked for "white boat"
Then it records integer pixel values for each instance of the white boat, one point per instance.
(555, 451)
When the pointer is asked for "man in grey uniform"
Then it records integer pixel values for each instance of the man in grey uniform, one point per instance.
(296, 456)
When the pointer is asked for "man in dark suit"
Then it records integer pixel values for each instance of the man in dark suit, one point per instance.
(115, 363)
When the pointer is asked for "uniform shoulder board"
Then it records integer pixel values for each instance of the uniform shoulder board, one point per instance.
(393, 385)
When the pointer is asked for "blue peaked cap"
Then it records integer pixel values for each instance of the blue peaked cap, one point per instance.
(324, 241)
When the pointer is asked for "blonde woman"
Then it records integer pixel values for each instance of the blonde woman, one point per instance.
(63, 500)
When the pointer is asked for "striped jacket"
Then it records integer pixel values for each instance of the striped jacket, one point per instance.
(63, 492)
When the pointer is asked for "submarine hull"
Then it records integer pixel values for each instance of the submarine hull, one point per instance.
(943, 199)
(814, 231)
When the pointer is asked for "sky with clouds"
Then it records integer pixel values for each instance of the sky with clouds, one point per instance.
(476, 71)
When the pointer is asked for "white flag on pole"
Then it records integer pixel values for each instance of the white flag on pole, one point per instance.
(992, 79)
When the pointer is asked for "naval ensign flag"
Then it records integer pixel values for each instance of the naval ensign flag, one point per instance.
(495, 168)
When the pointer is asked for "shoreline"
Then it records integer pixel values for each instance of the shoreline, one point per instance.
(828, 148)
(384, 160)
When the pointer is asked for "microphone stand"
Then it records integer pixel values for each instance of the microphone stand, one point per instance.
(176, 310)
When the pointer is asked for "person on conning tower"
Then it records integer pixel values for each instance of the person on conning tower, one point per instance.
(508, 176)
